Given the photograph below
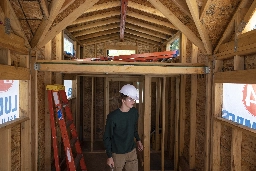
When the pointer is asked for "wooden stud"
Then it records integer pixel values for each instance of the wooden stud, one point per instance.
(59, 55)
(47, 81)
(78, 104)
(163, 123)
(158, 109)
(177, 121)
(238, 62)
(147, 122)
(193, 100)
(92, 113)
(106, 99)
(172, 119)
(208, 119)
(5, 150)
(236, 156)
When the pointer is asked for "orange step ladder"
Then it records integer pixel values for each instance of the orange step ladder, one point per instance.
(59, 109)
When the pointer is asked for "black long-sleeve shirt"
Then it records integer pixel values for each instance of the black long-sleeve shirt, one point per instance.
(120, 131)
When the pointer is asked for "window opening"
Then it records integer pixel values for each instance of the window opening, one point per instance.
(239, 104)
(68, 88)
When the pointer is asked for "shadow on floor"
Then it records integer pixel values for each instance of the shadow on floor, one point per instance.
(96, 159)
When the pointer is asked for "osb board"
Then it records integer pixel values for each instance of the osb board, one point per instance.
(87, 98)
(89, 51)
(228, 65)
(143, 48)
(248, 152)
(41, 119)
(67, 11)
(100, 49)
(15, 148)
(225, 148)
(185, 19)
(99, 108)
(114, 95)
(100, 12)
(250, 61)
(217, 16)
(200, 122)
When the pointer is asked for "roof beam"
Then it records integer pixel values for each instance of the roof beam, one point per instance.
(249, 14)
(87, 4)
(135, 68)
(94, 24)
(124, 4)
(178, 24)
(194, 10)
(46, 22)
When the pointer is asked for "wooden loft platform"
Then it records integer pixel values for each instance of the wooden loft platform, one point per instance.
(113, 67)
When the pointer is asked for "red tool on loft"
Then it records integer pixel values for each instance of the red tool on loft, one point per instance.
(59, 109)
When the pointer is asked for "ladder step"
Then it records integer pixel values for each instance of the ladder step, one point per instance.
(68, 123)
(73, 141)
(78, 158)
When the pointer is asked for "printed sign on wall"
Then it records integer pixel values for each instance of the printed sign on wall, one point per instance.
(239, 103)
(9, 100)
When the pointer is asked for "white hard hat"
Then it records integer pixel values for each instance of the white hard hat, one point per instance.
(131, 91)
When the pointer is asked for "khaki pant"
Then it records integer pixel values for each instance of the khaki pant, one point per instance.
(128, 161)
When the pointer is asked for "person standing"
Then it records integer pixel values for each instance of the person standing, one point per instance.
(120, 131)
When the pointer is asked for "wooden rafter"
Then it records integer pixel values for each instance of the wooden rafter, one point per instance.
(95, 30)
(98, 34)
(204, 7)
(67, 21)
(249, 13)
(150, 19)
(178, 24)
(44, 5)
(46, 22)
(124, 4)
(145, 9)
(135, 32)
(94, 24)
(194, 10)
(183, 6)
(96, 17)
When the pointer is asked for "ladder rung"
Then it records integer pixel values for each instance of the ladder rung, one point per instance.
(77, 159)
(69, 122)
(73, 141)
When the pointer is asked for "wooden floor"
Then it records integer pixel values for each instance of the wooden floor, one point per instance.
(96, 159)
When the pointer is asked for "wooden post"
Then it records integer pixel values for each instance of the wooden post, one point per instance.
(193, 100)
(177, 119)
(182, 96)
(147, 123)
(163, 122)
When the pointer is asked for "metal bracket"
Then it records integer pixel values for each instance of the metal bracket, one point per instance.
(207, 70)
(37, 67)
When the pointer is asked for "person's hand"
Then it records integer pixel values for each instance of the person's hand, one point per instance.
(110, 162)
(139, 145)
